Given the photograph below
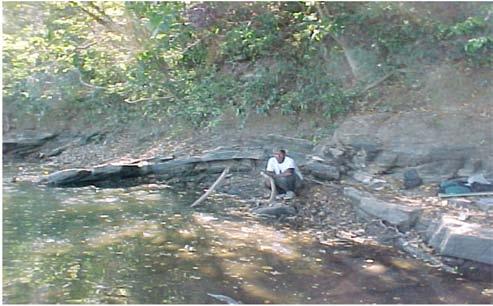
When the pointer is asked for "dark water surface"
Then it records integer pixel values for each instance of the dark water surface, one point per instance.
(145, 245)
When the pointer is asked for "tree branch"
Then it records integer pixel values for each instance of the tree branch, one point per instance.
(87, 84)
(342, 43)
(216, 183)
(94, 16)
(101, 11)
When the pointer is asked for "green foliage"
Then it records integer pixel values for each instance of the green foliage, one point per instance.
(470, 26)
(155, 59)
(472, 37)
(480, 50)
(252, 39)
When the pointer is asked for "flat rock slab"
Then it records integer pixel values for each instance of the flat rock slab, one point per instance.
(368, 207)
(78, 177)
(66, 177)
(451, 237)
(276, 210)
(212, 162)
(24, 143)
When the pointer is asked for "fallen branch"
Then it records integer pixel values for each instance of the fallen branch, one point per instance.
(377, 82)
(273, 190)
(216, 183)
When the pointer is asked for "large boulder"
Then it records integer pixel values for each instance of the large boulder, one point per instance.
(451, 237)
(368, 207)
(436, 145)
(323, 170)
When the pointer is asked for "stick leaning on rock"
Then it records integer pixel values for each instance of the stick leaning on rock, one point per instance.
(216, 183)
(273, 190)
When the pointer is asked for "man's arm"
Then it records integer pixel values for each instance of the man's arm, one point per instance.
(290, 167)
(288, 172)
(270, 167)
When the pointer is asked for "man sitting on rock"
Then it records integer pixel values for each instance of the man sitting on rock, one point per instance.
(285, 173)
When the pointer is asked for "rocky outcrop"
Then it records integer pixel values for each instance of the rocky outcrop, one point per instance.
(437, 146)
(291, 144)
(297, 148)
(25, 143)
(368, 207)
(239, 160)
(451, 237)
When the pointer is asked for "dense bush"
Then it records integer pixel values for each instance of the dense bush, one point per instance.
(172, 58)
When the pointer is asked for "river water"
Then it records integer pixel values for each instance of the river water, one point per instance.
(145, 245)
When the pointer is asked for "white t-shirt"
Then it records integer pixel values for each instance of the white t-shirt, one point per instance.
(274, 166)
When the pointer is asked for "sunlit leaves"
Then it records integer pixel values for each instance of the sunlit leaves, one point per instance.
(475, 44)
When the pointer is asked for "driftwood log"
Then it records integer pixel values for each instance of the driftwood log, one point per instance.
(273, 190)
(216, 183)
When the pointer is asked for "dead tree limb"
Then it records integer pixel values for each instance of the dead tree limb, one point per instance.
(99, 19)
(273, 190)
(216, 183)
(85, 83)
(377, 82)
(351, 61)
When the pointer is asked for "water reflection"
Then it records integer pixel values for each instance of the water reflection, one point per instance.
(145, 245)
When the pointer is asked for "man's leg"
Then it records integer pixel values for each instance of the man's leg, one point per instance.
(285, 183)
(298, 185)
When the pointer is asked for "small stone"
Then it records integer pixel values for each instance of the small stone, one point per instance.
(412, 179)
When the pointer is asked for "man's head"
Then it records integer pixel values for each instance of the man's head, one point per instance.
(280, 155)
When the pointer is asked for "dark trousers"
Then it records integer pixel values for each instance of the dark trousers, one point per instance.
(284, 183)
